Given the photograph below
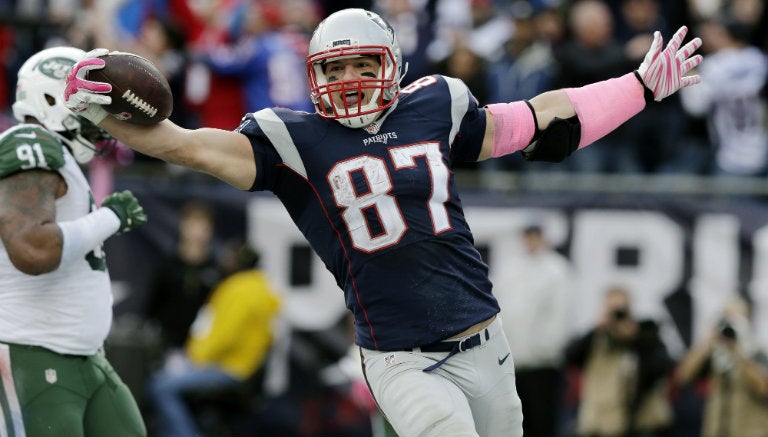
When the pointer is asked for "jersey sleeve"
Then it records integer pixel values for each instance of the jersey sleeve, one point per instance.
(27, 147)
(266, 157)
(469, 140)
(277, 135)
(470, 120)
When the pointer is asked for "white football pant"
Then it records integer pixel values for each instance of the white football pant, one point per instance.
(472, 394)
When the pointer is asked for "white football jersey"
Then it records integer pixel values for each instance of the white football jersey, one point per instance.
(68, 310)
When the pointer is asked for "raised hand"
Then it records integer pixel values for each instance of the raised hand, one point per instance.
(663, 72)
(127, 208)
(85, 97)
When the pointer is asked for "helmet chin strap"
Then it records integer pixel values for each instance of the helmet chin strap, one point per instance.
(79, 147)
(81, 138)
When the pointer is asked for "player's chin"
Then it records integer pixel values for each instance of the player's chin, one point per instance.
(351, 108)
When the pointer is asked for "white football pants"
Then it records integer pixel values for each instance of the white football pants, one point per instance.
(471, 395)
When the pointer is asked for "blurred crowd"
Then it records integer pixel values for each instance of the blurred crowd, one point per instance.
(224, 58)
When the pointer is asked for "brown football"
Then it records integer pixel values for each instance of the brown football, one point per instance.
(140, 92)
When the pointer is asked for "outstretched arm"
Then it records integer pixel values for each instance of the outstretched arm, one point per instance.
(224, 154)
(552, 125)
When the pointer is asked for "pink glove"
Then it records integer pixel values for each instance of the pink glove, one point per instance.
(663, 72)
(85, 97)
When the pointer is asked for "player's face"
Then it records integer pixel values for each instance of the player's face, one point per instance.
(352, 69)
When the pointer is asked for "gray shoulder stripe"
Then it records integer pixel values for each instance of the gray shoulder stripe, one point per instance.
(459, 104)
(280, 138)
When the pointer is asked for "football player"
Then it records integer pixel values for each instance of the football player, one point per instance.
(367, 179)
(55, 295)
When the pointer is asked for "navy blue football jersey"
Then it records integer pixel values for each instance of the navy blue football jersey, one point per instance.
(379, 206)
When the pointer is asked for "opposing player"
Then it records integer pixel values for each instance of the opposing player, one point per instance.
(55, 296)
(367, 180)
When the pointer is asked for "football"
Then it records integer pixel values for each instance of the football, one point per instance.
(140, 92)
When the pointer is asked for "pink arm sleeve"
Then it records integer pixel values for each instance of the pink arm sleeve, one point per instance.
(514, 127)
(604, 106)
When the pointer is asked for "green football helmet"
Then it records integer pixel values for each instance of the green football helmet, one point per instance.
(40, 94)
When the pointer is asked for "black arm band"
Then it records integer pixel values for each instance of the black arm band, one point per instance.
(556, 142)
(647, 93)
(536, 134)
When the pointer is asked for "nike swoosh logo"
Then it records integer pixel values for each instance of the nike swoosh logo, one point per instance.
(501, 360)
(30, 135)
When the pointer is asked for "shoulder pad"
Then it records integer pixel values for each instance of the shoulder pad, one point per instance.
(26, 147)
(422, 83)
(288, 116)
(434, 96)
(275, 123)
(251, 120)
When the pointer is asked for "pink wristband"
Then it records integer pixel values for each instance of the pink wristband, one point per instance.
(514, 127)
(606, 105)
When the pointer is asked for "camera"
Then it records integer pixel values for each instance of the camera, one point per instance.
(727, 331)
(620, 314)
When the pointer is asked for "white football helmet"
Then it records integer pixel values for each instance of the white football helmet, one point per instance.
(353, 33)
(40, 94)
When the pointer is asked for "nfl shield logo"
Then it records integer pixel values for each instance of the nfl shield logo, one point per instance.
(50, 376)
(389, 359)
(373, 128)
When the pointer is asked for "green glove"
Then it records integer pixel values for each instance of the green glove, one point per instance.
(127, 208)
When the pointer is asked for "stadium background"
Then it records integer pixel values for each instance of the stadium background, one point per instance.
(684, 244)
